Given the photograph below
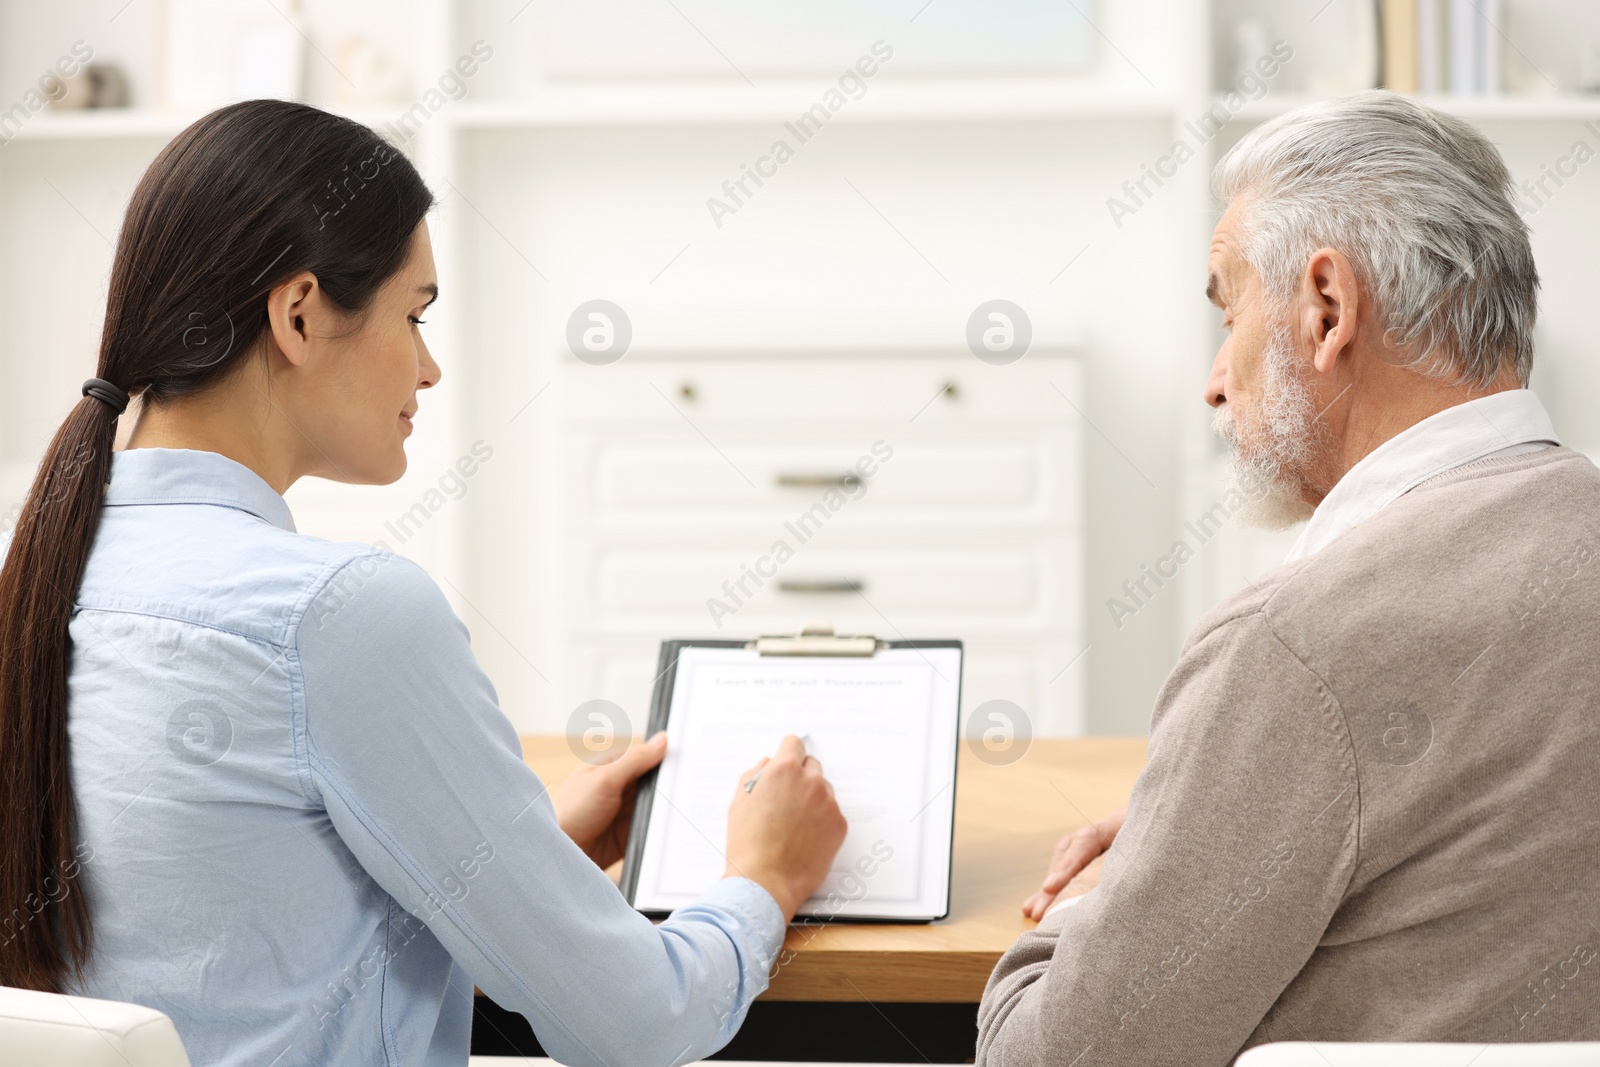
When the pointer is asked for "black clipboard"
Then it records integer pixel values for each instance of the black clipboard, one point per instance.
(815, 640)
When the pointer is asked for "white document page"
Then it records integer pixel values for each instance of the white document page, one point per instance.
(885, 729)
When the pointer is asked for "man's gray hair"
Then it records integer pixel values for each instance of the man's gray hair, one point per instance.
(1419, 202)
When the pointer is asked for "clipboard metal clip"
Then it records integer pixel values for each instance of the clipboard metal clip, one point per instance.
(817, 639)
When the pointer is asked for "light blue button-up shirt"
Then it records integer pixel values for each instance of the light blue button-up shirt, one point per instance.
(307, 825)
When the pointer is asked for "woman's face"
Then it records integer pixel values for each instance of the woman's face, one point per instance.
(364, 400)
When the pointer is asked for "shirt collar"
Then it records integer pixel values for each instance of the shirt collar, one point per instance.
(1452, 438)
(190, 476)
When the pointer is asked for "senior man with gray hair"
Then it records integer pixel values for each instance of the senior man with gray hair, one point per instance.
(1371, 810)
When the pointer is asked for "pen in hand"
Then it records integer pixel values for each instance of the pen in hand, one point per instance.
(805, 739)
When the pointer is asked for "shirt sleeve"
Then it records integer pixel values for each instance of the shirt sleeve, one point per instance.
(422, 777)
(1239, 844)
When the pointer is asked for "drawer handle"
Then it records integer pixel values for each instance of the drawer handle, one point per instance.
(847, 480)
(821, 585)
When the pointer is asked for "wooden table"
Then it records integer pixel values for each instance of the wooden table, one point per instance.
(1007, 821)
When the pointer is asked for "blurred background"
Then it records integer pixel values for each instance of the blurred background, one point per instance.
(699, 258)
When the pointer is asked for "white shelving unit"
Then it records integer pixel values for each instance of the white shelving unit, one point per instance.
(824, 313)
(925, 100)
(1569, 107)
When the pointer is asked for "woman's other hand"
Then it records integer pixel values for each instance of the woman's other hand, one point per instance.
(594, 806)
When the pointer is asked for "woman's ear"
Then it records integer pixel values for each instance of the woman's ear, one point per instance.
(289, 305)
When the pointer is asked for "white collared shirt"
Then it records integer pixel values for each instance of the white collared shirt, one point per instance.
(1501, 424)
(1063, 902)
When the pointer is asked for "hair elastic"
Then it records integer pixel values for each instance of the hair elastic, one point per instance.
(107, 394)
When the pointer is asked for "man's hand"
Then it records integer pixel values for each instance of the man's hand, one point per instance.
(1073, 853)
(594, 806)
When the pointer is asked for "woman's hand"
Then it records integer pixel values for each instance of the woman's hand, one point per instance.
(785, 830)
(594, 806)
(1073, 853)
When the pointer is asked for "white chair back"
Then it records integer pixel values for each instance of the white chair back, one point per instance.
(50, 1030)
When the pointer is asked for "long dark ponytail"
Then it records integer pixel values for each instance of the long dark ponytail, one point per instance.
(239, 202)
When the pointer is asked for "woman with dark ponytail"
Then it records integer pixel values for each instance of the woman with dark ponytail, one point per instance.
(256, 780)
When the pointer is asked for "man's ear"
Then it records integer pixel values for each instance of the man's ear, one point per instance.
(288, 306)
(1330, 308)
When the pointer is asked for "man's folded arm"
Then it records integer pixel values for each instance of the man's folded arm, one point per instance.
(1240, 842)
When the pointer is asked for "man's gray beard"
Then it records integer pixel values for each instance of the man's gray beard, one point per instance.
(1271, 473)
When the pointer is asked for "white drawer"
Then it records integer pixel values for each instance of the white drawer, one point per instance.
(1001, 480)
(879, 590)
(889, 393)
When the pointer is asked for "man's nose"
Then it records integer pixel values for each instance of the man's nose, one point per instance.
(1215, 394)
